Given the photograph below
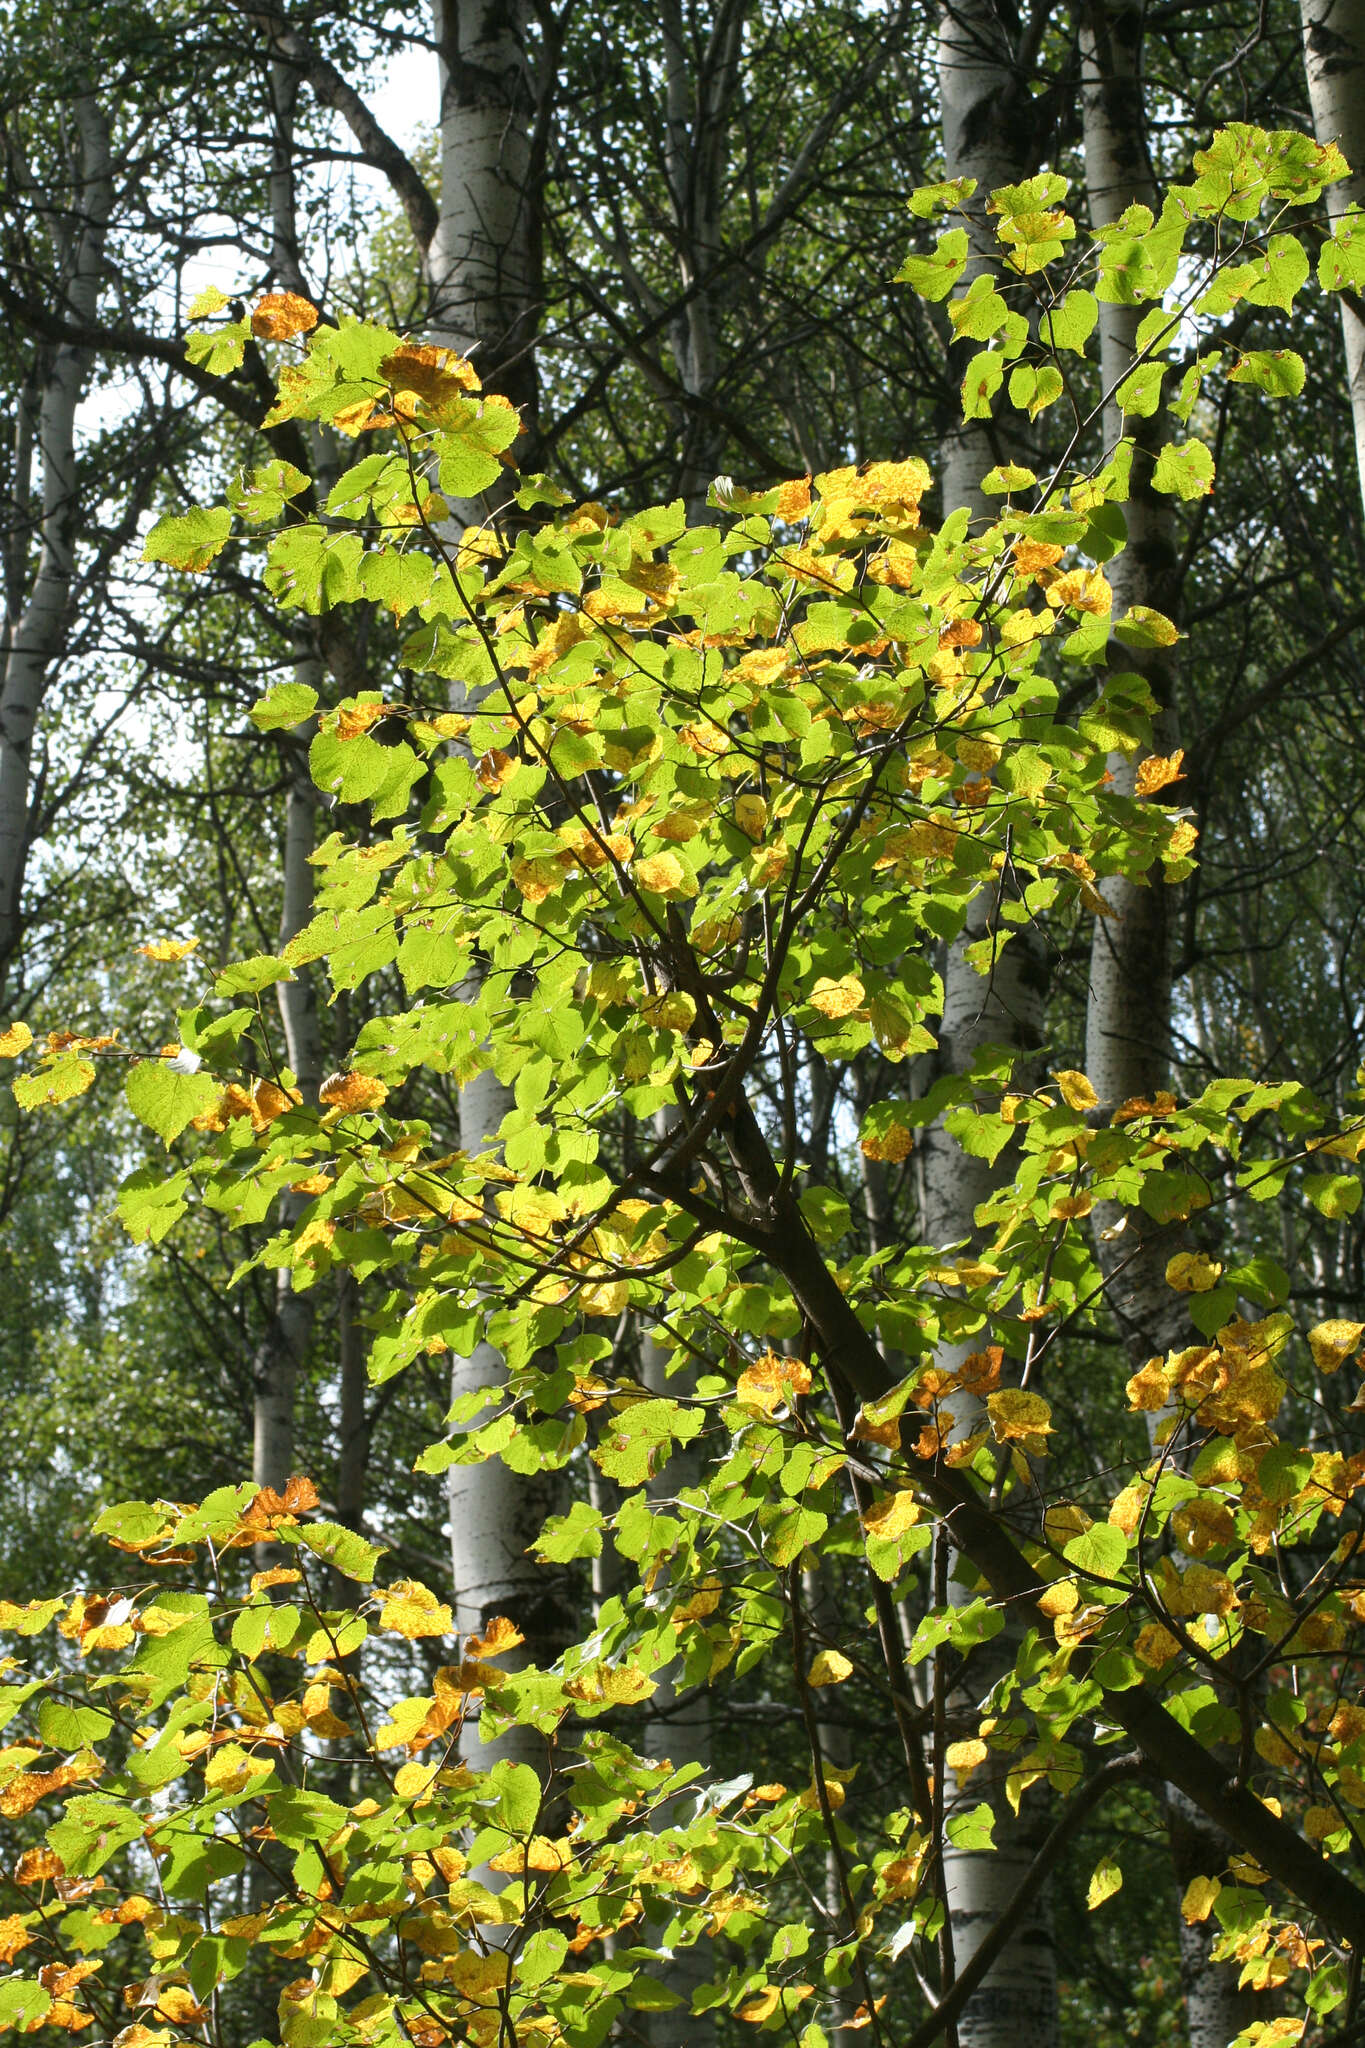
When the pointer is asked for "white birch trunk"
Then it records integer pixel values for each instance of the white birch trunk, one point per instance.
(1334, 57)
(483, 262)
(483, 280)
(1128, 1024)
(79, 226)
(988, 135)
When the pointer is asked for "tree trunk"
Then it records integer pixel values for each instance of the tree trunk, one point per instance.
(1334, 57)
(988, 134)
(39, 624)
(483, 270)
(483, 263)
(1128, 1023)
(679, 1728)
(699, 89)
(283, 1350)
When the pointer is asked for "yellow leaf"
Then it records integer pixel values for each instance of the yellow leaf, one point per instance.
(761, 2008)
(1017, 1417)
(14, 1039)
(891, 1145)
(671, 1010)
(279, 316)
(751, 816)
(1106, 1879)
(1198, 1901)
(169, 949)
(965, 1757)
(1075, 1090)
(837, 998)
(411, 1610)
(1158, 770)
(232, 1769)
(665, 875)
(412, 1780)
(888, 1519)
(772, 1382)
(354, 719)
(499, 1636)
(1061, 1598)
(1150, 1388)
(829, 1667)
(1192, 1273)
(348, 1093)
(611, 1685)
(1331, 1343)
(14, 1936)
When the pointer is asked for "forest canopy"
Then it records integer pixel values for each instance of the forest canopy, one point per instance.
(679, 753)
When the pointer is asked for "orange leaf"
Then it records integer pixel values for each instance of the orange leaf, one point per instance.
(279, 316)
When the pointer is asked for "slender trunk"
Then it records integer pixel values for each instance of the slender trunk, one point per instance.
(700, 84)
(483, 278)
(1128, 1023)
(1334, 57)
(353, 1425)
(483, 264)
(42, 620)
(836, 1753)
(283, 1350)
(679, 1728)
(988, 134)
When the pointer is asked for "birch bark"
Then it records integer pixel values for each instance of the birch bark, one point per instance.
(483, 277)
(40, 623)
(1128, 1024)
(1334, 58)
(989, 135)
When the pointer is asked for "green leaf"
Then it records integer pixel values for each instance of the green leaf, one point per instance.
(66, 1077)
(974, 1830)
(516, 1792)
(1341, 259)
(983, 379)
(70, 1728)
(249, 977)
(150, 1203)
(22, 2004)
(1184, 470)
(1333, 1195)
(1278, 372)
(1100, 1551)
(189, 540)
(130, 1522)
(933, 277)
(1283, 1472)
(1007, 476)
(577, 1534)
(164, 1100)
(353, 1557)
(1071, 324)
(300, 1817)
(541, 1957)
(287, 705)
(927, 200)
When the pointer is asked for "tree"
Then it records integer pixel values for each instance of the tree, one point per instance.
(728, 784)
